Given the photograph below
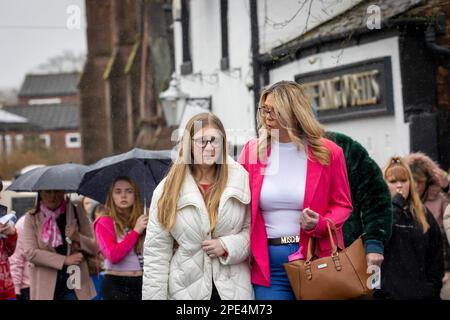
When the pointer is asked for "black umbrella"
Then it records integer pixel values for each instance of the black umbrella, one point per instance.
(146, 167)
(65, 177)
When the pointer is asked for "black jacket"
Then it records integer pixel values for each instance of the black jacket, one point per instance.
(413, 265)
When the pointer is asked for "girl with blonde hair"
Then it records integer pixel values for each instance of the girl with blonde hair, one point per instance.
(298, 184)
(119, 231)
(413, 264)
(197, 239)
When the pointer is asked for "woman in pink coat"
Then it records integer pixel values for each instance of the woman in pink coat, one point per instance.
(298, 179)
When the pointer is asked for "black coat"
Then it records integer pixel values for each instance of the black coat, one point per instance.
(413, 265)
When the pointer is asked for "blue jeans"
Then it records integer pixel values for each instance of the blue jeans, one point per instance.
(62, 292)
(98, 284)
(280, 288)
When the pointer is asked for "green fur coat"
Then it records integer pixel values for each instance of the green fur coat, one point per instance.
(372, 208)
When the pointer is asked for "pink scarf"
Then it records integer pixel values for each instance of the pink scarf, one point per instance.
(50, 230)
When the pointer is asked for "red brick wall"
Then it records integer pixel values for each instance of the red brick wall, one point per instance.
(57, 144)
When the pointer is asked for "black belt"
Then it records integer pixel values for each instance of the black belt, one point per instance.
(283, 240)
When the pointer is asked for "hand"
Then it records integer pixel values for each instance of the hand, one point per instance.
(440, 175)
(445, 278)
(309, 219)
(374, 259)
(213, 248)
(7, 229)
(75, 258)
(72, 232)
(141, 224)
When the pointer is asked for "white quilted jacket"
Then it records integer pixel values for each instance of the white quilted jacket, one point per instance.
(187, 273)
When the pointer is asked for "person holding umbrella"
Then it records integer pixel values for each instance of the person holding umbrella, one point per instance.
(197, 241)
(47, 236)
(120, 234)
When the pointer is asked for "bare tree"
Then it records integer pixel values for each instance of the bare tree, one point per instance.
(67, 61)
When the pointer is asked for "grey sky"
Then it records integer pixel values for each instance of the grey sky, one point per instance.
(31, 31)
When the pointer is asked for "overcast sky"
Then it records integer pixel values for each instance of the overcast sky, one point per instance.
(31, 31)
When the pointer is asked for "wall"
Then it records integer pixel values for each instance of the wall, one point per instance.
(231, 99)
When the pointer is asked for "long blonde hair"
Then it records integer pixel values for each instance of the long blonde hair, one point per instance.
(397, 167)
(167, 204)
(295, 114)
(122, 222)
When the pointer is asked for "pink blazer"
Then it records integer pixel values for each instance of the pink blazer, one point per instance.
(327, 193)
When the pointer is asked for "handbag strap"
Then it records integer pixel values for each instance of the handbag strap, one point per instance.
(312, 243)
(334, 230)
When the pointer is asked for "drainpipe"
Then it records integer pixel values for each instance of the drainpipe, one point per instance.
(255, 53)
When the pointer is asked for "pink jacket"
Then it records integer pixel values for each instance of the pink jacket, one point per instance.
(113, 250)
(18, 261)
(327, 193)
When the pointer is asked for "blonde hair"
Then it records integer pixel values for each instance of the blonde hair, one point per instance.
(295, 114)
(418, 210)
(167, 204)
(122, 222)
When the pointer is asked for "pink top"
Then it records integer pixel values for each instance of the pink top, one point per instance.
(118, 250)
(18, 261)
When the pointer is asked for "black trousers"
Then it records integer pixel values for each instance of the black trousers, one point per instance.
(121, 288)
(24, 294)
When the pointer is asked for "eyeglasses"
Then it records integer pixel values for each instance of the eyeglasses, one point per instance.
(266, 111)
(203, 142)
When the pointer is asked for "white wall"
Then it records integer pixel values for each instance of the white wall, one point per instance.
(232, 101)
(382, 136)
(283, 20)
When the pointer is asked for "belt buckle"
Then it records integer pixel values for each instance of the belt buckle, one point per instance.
(290, 239)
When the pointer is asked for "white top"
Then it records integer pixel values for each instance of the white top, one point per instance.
(283, 190)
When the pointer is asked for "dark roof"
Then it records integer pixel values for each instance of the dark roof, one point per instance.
(49, 85)
(356, 17)
(49, 116)
(353, 19)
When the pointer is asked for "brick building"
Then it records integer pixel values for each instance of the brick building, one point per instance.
(49, 89)
(55, 127)
(49, 104)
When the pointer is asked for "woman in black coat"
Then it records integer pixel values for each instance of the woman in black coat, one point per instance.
(413, 266)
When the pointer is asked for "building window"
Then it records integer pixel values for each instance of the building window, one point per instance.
(73, 140)
(224, 62)
(45, 139)
(186, 67)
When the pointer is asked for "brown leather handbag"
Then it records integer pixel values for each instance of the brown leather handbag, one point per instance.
(341, 276)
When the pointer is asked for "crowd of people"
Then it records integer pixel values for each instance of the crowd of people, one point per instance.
(222, 229)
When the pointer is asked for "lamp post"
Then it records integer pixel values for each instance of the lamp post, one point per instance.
(173, 101)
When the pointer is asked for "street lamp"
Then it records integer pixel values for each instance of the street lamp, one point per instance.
(173, 101)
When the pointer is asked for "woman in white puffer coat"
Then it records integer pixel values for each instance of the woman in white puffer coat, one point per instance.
(197, 240)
